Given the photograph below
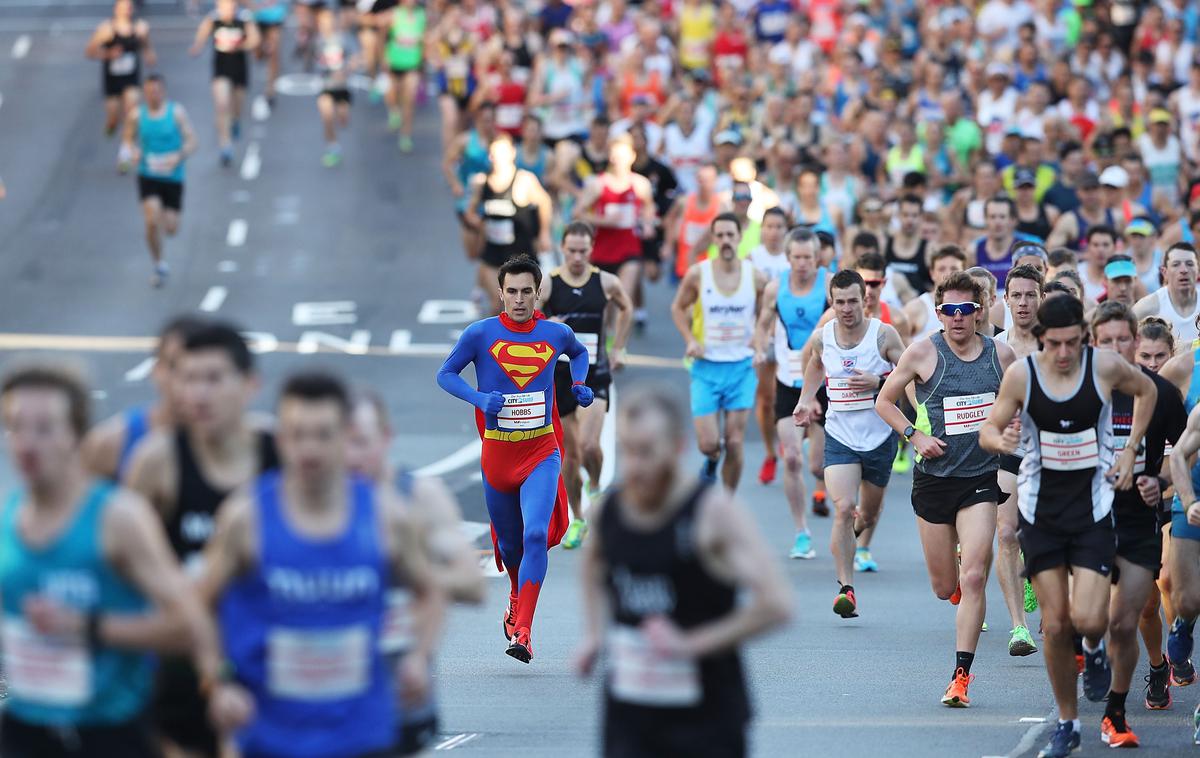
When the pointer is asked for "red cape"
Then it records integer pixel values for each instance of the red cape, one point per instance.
(560, 517)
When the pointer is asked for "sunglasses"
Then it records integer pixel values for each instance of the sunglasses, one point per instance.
(951, 310)
(874, 282)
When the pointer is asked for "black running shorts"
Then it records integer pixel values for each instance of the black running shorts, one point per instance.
(565, 399)
(170, 194)
(938, 499)
(1094, 547)
(785, 400)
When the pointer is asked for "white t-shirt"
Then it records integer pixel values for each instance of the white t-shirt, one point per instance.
(771, 265)
(995, 115)
(1163, 164)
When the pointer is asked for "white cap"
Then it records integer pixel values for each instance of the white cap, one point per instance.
(1114, 176)
(998, 68)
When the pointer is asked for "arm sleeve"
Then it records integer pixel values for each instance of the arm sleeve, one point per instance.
(579, 358)
(448, 375)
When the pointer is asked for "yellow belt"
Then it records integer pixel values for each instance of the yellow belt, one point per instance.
(517, 435)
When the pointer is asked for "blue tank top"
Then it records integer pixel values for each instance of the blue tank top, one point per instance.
(799, 315)
(475, 160)
(537, 167)
(302, 631)
(275, 13)
(160, 137)
(1193, 393)
(137, 423)
(72, 686)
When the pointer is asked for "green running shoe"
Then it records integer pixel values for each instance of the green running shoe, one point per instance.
(575, 534)
(406, 143)
(1031, 603)
(903, 461)
(1021, 643)
(331, 159)
(395, 121)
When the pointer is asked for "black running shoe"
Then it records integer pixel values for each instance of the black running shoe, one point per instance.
(1097, 676)
(1158, 688)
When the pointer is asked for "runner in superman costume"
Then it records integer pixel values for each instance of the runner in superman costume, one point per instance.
(514, 356)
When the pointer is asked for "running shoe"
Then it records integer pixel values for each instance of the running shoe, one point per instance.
(1063, 742)
(406, 144)
(983, 627)
(331, 159)
(863, 560)
(520, 647)
(845, 604)
(708, 471)
(802, 548)
(956, 596)
(1179, 642)
(110, 130)
(956, 693)
(395, 121)
(510, 617)
(1158, 688)
(159, 277)
(820, 507)
(592, 490)
(1031, 603)
(1097, 676)
(903, 461)
(226, 157)
(1116, 733)
(1078, 664)
(575, 534)
(766, 474)
(235, 130)
(1182, 674)
(1196, 725)
(1021, 642)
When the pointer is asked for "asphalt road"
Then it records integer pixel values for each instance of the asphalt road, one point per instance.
(362, 264)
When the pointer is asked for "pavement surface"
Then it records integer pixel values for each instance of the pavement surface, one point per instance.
(361, 266)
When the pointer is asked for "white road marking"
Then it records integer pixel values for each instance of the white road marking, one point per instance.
(330, 313)
(1033, 720)
(1030, 737)
(1, 100)
(251, 163)
(99, 394)
(261, 110)
(236, 236)
(457, 741)
(227, 267)
(447, 312)
(213, 299)
(21, 47)
(301, 85)
(139, 372)
(456, 460)
(358, 344)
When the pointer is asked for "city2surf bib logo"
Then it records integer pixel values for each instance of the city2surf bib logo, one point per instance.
(522, 361)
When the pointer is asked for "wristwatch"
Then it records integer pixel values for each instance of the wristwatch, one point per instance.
(908, 432)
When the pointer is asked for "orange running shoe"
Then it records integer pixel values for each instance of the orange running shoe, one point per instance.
(520, 647)
(845, 604)
(510, 617)
(956, 693)
(1079, 663)
(766, 474)
(956, 598)
(819, 506)
(1110, 736)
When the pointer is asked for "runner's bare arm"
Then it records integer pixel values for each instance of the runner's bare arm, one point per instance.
(645, 195)
(545, 211)
(457, 570)
(253, 37)
(203, 32)
(764, 327)
(410, 559)
(1063, 231)
(101, 448)
(1182, 457)
(544, 291)
(185, 128)
(671, 224)
(153, 471)
(95, 46)
(1005, 356)
(915, 315)
(585, 202)
(475, 192)
(450, 160)
(1000, 433)
(149, 54)
(619, 298)
(681, 311)
(891, 346)
(1128, 379)
(1178, 370)
(595, 602)
(732, 547)
(129, 135)
(1147, 306)
(914, 363)
(902, 327)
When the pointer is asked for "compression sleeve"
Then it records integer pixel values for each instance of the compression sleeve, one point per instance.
(448, 377)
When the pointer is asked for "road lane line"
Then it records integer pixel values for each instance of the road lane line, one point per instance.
(227, 267)
(463, 741)
(141, 371)
(251, 164)
(608, 440)
(213, 299)
(236, 236)
(21, 47)
(451, 742)
(1030, 738)
(456, 460)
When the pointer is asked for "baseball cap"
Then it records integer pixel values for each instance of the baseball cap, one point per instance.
(1140, 226)
(1023, 177)
(1120, 266)
(727, 137)
(997, 68)
(1160, 116)
(1089, 181)
(1114, 176)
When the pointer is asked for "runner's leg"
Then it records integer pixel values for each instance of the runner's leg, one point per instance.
(1008, 554)
(1150, 625)
(409, 83)
(735, 437)
(938, 542)
(1129, 597)
(976, 528)
(538, 493)
(708, 437)
(843, 481)
(1057, 638)
(151, 214)
(591, 424)
(571, 461)
(222, 94)
(793, 467)
(764, 408)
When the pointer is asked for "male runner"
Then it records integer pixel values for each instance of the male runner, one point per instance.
(1022, 298)
(186, 472)
(675, 578)
(159, 138)
(121, 43)
(714, 311)
(578, 294)
(770, 257)
(789, 310)
(956, 373)
(1139, 541)
(1063, 393)
(270, 16)
(1177, 302)
(82, 564)
(851, 357)
(436, 516)
(108, 447)
(921, 311)
(234, 35)
(517, 418)
(403, 28)
(334, 63)
(298, 570)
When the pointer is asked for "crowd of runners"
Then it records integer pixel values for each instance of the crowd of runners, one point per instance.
(946, 240)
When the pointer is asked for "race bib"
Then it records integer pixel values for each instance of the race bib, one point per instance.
(589, 341)
(726, 333)
(499, 231)
(509, 115)
(1139, 463)
(795, 365)
(124, 65)
(227, 39)
(457, 68)
(44, 670)
(1069, 452)
(621, 215)
(160, 163)
(397, 633)
(693, 232)
(523, 410)
(965, 414)
(642, 677)
(1167, 448)
(842, 398)
(318, 664)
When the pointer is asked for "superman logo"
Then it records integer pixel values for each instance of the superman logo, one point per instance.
(522, 361)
